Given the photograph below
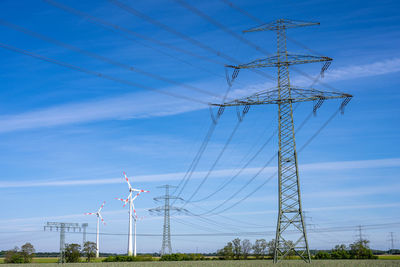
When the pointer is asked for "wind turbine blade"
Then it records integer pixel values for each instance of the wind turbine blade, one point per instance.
(101, 218)
(102, 205)
(134, 210)
(140, 190)
(123, 200)
(141, 218)
(136, 196)
(127, 180)
(89, 213)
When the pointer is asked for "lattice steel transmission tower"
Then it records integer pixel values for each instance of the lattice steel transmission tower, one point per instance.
(165, 210)
(290, 216)
(391, 249)
(84, 226)
(62, 228)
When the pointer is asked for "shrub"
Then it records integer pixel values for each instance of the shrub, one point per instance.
(13, 256)
(120, 258)
(322, 255)
(360, 250)
(181, 257)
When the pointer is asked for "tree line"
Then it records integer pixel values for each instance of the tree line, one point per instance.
(241, 249)
(356, 250)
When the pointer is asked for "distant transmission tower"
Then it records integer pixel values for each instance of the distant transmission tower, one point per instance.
(290, 217)
(360, 236)
(62, 228)
(84, 226)
(391, 242)
(166, 247)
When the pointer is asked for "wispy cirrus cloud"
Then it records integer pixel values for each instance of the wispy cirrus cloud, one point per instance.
(129, 106)
(337, 165)
(145, 105)
(357, 71)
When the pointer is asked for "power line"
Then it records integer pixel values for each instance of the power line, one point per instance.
(97, 74)
(254, 18)
(219, 156)
(219, 25)
(246, 224)
(345, 228)
(270, 177)
(118, 29)
(102, 58)
(231, 179)
(249, 43)
(185, 179)
(185, 37)
(193, 225)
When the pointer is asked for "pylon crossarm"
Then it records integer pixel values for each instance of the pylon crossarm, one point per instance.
(297, 95)
(276, 61)
(281, 24)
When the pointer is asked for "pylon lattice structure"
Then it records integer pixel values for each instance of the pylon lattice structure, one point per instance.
(62, 228)
(84, 226)
(290, 216)
(166, 247)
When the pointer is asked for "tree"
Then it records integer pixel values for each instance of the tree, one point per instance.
(259, 248)
(340, 252)
(360, 250)
(271, 247)
(289, 246)
(28, 252)
(246, 248)
(72, 252)
(237, 248)
(322, 255)
(13, 256)
(89, 250)
(227, 252)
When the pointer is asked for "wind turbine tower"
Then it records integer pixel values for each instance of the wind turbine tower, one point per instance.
(130, 199)
(99, 217)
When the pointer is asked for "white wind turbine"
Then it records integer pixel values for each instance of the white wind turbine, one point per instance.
(99, 217)
(130, 199)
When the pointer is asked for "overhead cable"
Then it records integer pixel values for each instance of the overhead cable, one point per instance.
(98, 74)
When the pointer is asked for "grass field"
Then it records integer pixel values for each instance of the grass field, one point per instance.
(248, 263)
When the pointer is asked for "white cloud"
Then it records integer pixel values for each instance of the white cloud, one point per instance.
(139, 105)
(357, 71)
(146, 104)
(337, 165)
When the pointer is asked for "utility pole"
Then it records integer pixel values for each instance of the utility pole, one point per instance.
(62, 228)
(166, 247)
(290, 216)
(84, 226)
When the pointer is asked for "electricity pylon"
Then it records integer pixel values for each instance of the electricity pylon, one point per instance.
(290, 216)
(84, 226)
(62, 228)
(165, 210)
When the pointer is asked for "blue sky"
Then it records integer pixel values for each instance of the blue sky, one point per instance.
(67, 136)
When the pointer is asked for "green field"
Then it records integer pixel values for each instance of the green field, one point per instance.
(248, 263)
